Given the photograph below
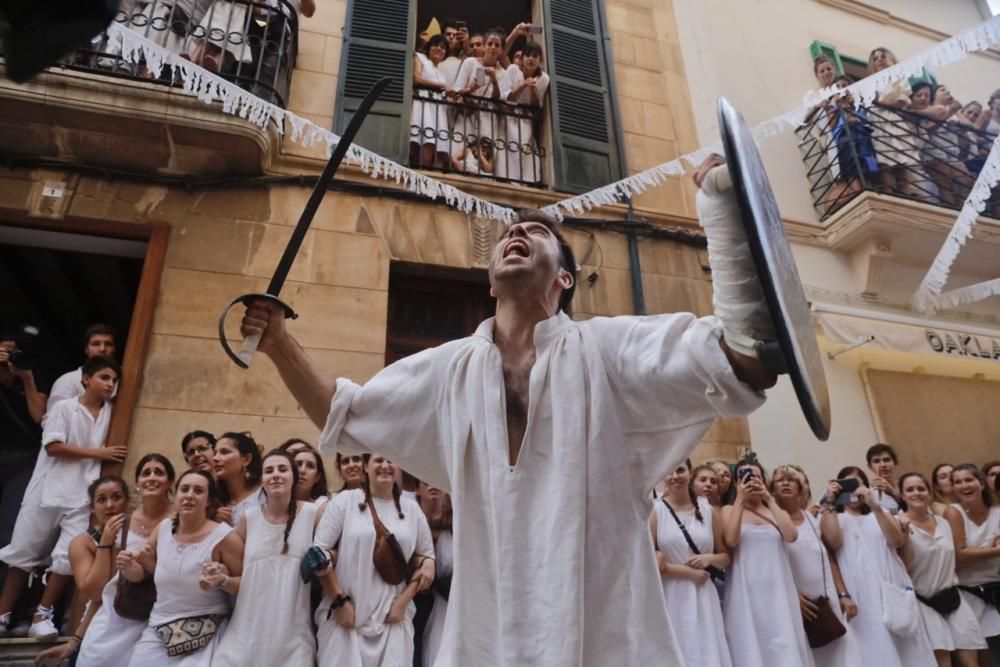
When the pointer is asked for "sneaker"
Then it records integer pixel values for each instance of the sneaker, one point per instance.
(45, 628)
(5, 624)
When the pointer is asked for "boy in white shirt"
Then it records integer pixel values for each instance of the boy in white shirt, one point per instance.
(98, 341)
(55, 507)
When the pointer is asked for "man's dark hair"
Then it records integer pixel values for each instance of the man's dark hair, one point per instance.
(881, 448)
(449, 22)
(99, 329)
(196, 434)
(97, 364)
(567, 260)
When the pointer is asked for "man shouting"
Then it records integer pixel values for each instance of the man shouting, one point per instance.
(549, 435)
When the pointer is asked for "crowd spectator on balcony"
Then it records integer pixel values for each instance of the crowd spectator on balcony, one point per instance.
(763, 622)
(942, 153)
(109, 638)
(475, 158)
(270, 621)
(238, 472)
(430, 137)
(191, 607)
(894, 135)
(479, 82)
(950, 622)
(989, 121)
(851, 133)
(975, 524)
(224, 27)
(972, 145)
(99, 340)
(824, 70)
(364, 620)
(454, 32)
(525, 84)
(679, 520)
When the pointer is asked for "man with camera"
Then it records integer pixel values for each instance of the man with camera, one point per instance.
(22, 405)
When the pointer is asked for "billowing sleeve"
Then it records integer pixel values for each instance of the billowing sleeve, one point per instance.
(394, 414)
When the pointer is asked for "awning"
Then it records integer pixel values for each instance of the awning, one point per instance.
(849, 325)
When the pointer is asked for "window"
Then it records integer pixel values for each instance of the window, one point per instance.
(857, 68)
(569, 143)
(429, 306)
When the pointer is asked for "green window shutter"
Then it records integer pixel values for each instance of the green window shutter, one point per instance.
(583, 133)
(377, 44)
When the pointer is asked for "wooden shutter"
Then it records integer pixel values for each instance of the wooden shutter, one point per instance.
(377, 44)
(583, 134)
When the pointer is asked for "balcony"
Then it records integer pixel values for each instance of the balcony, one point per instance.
(477, 136)
(96, 108)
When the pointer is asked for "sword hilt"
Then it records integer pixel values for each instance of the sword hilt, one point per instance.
(250, 343)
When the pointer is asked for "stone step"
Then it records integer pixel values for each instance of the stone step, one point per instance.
(21, 652)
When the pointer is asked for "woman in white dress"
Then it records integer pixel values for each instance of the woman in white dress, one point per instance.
(525, 85)
(481, 79)
(180, 556)
(896, 143)
(237, 471)
(109, 639)
(816, 575)
(953, 629)
(364, 621)
(865, 538)
(270, 622)
(975, 524)
(311, 486)
(436, 506)
(430, 136)
(761, 609)
(692, 601)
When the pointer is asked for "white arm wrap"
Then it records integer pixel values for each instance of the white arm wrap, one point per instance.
(736, 292)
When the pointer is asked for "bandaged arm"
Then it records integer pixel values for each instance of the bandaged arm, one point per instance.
(737, 296)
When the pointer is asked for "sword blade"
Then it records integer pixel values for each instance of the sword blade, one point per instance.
(319, 190)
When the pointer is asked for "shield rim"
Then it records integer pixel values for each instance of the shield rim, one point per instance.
(785, 308)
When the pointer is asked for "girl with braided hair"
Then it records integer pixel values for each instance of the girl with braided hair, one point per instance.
(277, 535)
(363, 621)
(692, 601)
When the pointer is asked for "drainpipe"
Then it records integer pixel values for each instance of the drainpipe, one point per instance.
(638, 298)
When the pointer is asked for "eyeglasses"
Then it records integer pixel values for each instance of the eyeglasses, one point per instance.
(198, 450)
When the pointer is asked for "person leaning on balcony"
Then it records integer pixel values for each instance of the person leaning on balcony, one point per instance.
(525, 84)
(479, 79)
(456, 49)
(430, 137)
(851, 134)
(941, 151)
(896, 145)
(222, 40)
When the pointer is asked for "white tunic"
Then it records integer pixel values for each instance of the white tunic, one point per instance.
(253, 500)
(372, 642)
(613, 404)
(65, 479)
(429, 119)
(444, 562)
(520, 131)
(813, 577)
(694, 609)
(983, 571)
(270, 622)
(178, 595)
(762, 612)
(109, 639)
(865, 560)
(932, 571)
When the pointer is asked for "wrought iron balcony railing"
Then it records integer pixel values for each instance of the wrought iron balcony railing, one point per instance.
(251, 43)
(480, 136)
(847, 151)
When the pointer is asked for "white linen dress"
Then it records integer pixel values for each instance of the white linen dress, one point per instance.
(270, 621)
(981, 572)
(520, 131)
(372, 642)
(482, 123)
(109, 639)
(614, 403)
(694, 609)
(932, 571)
(813, 577)
(178, 595)
(762, 612)
(865, 560)
(429, 119)
(434, 630)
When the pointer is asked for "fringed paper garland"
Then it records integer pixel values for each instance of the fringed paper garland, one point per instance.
(210, 88)
(926, 298)
(968, 294)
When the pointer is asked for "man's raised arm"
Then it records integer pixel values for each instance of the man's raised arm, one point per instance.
(301, 374)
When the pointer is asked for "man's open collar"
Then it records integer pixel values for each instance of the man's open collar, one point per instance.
(545, 330)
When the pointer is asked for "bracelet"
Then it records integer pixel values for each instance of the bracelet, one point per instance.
(843, 595)
(340, 601)
(225, 580)
(105, 546)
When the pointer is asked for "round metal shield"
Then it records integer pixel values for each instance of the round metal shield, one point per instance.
(796, 345)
